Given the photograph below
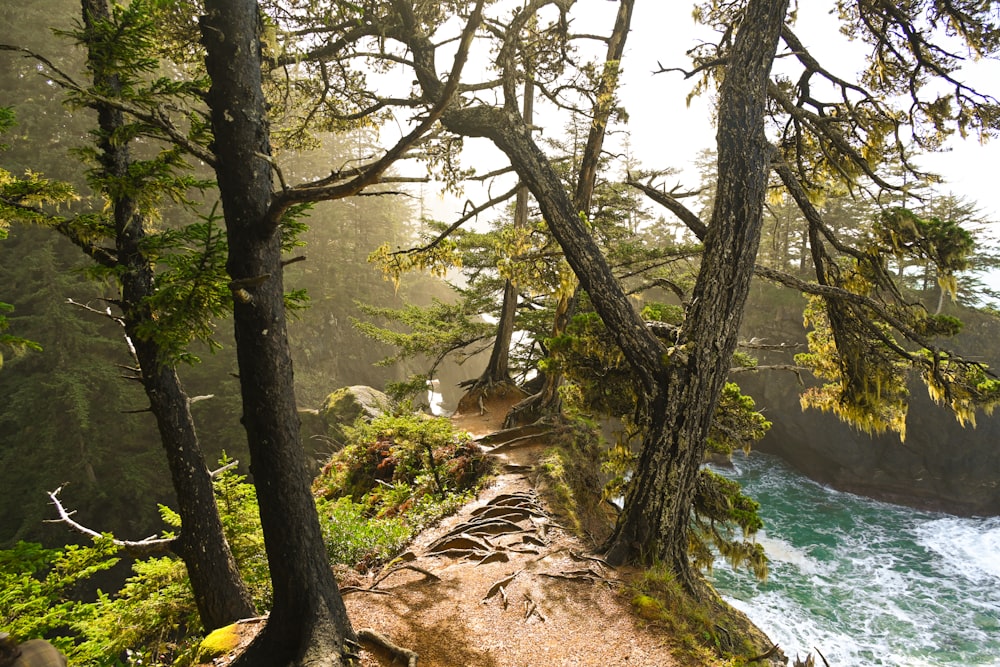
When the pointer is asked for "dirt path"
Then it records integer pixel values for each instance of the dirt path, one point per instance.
(500, 584)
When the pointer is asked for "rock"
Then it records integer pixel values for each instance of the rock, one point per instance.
(941, 465)
(344, 406)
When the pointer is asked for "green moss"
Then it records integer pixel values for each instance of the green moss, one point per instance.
(647, 607)
(218, 643)
(706, 630)
(571, 479)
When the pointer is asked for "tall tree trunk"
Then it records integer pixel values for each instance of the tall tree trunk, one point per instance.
(654, 523)
(308, 623)
(548, 400)
(680, 385)
(219, 591)
(498, 368)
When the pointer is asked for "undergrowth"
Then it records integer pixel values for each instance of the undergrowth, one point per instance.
(569, 476)
(577, 473)
(705, 630)
(396, 476)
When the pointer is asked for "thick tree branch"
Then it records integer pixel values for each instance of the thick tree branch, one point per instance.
(669, 201)
(286, 198)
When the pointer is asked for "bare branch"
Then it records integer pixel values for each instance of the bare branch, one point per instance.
(669, 201)
(218, 471)
(147, 548)
(373, 174)
(470, 214)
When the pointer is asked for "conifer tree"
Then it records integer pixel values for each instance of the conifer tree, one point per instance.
(159, 314)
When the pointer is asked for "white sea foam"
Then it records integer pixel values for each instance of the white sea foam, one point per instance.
(781, 551)
(796, 633)
(870, 584)
(968, 547)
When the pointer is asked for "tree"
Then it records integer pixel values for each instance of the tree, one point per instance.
(116, 44)
(682, 377)
(678, 398)
(308, 623)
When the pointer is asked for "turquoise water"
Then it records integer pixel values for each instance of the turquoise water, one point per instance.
(865, 582)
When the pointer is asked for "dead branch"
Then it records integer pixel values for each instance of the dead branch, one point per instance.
(229, 466)
(151, 546)
(103, 313)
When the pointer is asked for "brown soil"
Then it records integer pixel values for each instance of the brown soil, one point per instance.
(501, 584)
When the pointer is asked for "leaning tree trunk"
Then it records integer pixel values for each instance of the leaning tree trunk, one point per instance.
(654, 523)
(680, 385)
(548, 400)
(220, 593)
(308, 623)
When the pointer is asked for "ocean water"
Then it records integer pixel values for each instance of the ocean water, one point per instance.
(866, 582)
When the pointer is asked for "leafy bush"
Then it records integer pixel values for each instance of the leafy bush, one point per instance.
(237, 501)
(394, 461)
(148, 622)
(37, 586)
(398, 474)
(356, 540)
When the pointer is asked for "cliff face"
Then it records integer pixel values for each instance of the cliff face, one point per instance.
(940, 466)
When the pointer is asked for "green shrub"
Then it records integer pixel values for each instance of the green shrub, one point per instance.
(237, 501)
(148, 622)
(37, 587)
(398, 474)
(356, 540)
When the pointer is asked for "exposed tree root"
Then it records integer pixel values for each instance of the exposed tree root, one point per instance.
(372, 637)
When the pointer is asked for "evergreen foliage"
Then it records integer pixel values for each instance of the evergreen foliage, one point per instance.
(397, 460)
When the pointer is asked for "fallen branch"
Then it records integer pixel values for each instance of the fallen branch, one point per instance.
(151, 546)
(380, 640)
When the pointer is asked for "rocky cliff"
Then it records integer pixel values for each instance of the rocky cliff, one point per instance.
(940, 466)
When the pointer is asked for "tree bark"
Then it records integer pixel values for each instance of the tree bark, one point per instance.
(548, 400)
(681, 384)
(219, 591)
(498, 368)
(653, 525)
(308, 623)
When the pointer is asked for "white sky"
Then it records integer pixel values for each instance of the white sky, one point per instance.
(665, 132)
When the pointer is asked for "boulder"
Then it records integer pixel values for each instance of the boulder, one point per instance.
(344, 406)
